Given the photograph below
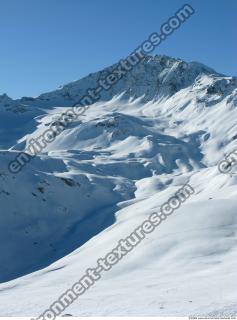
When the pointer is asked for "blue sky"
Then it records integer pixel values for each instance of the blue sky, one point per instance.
(47, 43)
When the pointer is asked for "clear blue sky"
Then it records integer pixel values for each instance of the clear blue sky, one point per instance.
(47, 43)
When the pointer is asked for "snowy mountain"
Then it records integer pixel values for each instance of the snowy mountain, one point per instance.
(166, 123)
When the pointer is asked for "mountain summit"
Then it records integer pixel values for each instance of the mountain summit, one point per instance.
(153, 78)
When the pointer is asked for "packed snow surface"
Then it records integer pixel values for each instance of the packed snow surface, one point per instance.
(165, 124)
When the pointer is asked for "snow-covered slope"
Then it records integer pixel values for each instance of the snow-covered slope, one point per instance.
(166, 123)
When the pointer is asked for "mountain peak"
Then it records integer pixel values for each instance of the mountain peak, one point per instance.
(153, 78)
